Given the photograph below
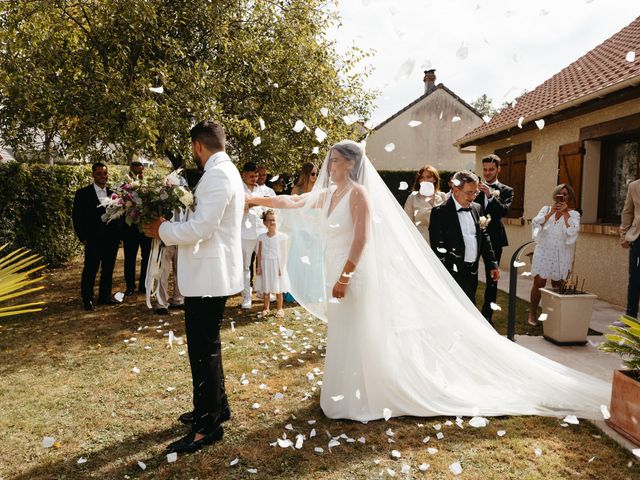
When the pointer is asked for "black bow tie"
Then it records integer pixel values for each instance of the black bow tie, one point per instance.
(492, 185)
(461, 209)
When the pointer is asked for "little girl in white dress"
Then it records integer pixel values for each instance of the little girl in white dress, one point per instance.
(271, 261)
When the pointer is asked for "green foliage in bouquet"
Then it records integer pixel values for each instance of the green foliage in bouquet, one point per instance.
(625, 341)
(16, 273)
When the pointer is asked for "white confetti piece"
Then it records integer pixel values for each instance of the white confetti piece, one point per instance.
(455, 119)
(81, 460)
(285, 443)
(170, 338)
(324, 111)
(305, 260)
(362, 440)
(333, 443)
(334, 300)
(520, 120)
(631, 56)
(455, 468)
(181, 353)
(337, 398)
(495, 307)
(172, 457)
(525, 274)
(501, 433)
(170, 389)
(463, 52)
(455, 182)
(591, 459)
(299, 441)
(636, 452)
(255, 406)
(478, 422)
(414, 123)
(486, 118)
(439, 435)
(318, 450)
(571, 419)
(257, 141)
(142, 465)
(538, 452)
(427, 189)
(320, 134)
(252, 470)
(234, 462)
(542, 317)
(605, 412)
(159, 89)
(405, 69)
(405, 469)
(135, 370)
(432, 451)
(395, 454)
(390, 147)
(312, 433)
(358, 394)
(262, 124)
(47, 442)
(424, 467)
(386, 413)
(274, 178)
(299, 126)
(403, 186)
(540, 124)
(518, 264)
(391, 472)
(118, 297)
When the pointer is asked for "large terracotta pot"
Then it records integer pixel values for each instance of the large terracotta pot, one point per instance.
(625, 404)
(568, 317)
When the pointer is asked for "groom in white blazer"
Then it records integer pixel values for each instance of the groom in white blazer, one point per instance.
(209, 270)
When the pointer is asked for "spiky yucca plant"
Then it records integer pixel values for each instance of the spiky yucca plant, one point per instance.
(625, 342)
(15, 275)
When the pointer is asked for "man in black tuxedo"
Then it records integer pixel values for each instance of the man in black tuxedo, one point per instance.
(100, 240)
(457, 237)
(495, 200)
(132, 240)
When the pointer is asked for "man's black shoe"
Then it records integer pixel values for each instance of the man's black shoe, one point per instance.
(161, 311)
(88, 306)
(187, 417)
(176, 306)
(188, 444)
(129, 291)
(142, 290)
(108, 301)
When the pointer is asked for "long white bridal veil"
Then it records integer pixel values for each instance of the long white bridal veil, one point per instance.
(429, 350)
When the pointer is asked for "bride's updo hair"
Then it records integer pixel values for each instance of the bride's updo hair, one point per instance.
(351, 151)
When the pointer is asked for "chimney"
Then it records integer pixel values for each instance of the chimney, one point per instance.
(429, 80)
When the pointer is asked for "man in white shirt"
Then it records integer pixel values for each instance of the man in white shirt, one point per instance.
(457, 237)
(262, 182)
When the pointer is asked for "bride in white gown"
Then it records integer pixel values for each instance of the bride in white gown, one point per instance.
(403, 339)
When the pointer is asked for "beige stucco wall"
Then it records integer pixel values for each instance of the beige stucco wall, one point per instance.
(428, 143)
(599, 258)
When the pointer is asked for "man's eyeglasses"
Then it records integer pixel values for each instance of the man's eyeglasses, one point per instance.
(470, 193)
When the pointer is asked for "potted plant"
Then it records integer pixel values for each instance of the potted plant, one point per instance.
(568, 313)
(625, 390)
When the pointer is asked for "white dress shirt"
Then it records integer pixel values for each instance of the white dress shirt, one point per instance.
(492, 186)
(100, 192)
(252, 224)
(468, 227)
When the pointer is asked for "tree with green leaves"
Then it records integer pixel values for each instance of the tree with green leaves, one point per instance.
(106, 79)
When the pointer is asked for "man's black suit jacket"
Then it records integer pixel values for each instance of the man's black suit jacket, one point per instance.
(87, 216)
(497, 208)
(446, 237)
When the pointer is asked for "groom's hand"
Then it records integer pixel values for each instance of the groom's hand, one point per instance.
(495, 274)
(152, 229)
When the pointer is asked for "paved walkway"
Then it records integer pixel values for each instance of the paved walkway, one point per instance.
(587, 358)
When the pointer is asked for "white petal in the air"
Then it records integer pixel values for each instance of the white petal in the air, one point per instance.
(478, 422)
(463, 52)
(274, 178)
(427, 189)
(542, 317)
(337, 398)
(159, 89)
(320, 134)
(605, 412)
(441, 250)
(518, 264)
(502, 433)
(299, 126)
(571, 419)
(315, 150)
(520, 120)
(455, 182)
(118, 297)
(305, 260)
(540, 123)
(631, 56)
(390, 147)
(455, 119)
(403, 186)
(404, 71)
(257, 141)
(324, 111)
(495, 307)
(386, 413)
(414, 123)
(455, 468)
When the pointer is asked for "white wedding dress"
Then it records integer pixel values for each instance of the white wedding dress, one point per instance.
(405, 340)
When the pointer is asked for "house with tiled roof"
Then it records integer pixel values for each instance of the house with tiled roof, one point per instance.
(581, 127)
(424, 132)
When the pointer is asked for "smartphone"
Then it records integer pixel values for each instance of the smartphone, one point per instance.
(559, 198)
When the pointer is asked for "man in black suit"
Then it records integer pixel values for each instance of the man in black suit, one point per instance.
(495, 200)
(132, 240)
(458, 239)
(100, 240)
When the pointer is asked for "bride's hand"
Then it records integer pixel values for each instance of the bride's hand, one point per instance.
(339, 290)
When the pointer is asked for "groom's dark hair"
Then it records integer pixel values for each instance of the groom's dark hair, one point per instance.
(96, 166)
(210, 134)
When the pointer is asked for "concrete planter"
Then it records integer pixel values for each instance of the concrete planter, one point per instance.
(568, 317)
(625, 405)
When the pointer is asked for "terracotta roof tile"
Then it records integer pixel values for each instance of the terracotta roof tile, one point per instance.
(604, 66)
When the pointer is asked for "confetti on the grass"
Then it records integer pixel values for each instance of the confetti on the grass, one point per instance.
(571, 419)
(403, 186)
(605, 412)
(636, 452)
(257, 141)
(47, 442)
(142, 465)
(395, 454)
(405, 469)
(337, 398)
(455, 468)
(234, 462)
(478, 422)
(285, 443)
(252, 470)
(390, 147)
(538, 452)
(320, 134)
(542, 317)
(299, 126)
(540, 124)
(82, 460)
(391, 472)
(591, 459)
(118, 297)
(432, 451)
(315, 151)
(455, 119)
(333, 443)
(170, 389)
(159, 89)
(518, 264)
(324, 111)
(414, 123)
(362, 440)
(520, 120)
(135, 370)
(631, 56)
(386, 413)
(318, 450)
(502, 433)
(495, 307)
(255, 406)
(262, 124)
(439, 435)
(424, 467)
(172, 457)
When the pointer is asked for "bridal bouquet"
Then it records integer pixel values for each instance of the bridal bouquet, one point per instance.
(140, 201)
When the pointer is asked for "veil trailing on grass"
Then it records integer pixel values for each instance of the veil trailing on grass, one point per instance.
(416, 344)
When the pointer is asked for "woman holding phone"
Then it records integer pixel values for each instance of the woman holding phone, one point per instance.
(556, 229)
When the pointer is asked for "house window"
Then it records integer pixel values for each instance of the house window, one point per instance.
(619, 159)
(513, 171)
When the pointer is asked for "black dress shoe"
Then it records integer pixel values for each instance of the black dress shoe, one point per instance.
(176, 306)
(161, 311)
(142, 290)
(187, 417)
(189, 444)
(129, 291)
(108, 301)
(88, 306)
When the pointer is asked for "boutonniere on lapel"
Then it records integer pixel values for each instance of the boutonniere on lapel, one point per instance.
(484, 221)
(495, 193)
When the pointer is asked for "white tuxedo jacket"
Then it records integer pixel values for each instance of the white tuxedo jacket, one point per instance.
(209, 244)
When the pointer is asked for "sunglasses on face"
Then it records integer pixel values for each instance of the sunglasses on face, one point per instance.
(314, 174)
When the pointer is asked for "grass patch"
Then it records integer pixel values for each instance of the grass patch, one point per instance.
(68, 374)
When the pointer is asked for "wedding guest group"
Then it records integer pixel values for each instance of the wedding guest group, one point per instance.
(629, 233)
(555, 229)
(458, 238)
(100, 240)
(495, 200)
(424, 197)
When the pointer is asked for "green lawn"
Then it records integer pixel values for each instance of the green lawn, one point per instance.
(69, 374)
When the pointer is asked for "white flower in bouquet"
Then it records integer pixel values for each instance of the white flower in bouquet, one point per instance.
(174, 178)
(484, 221)
(186, 197)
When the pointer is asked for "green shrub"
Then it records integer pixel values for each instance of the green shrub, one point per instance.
(35, 207)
